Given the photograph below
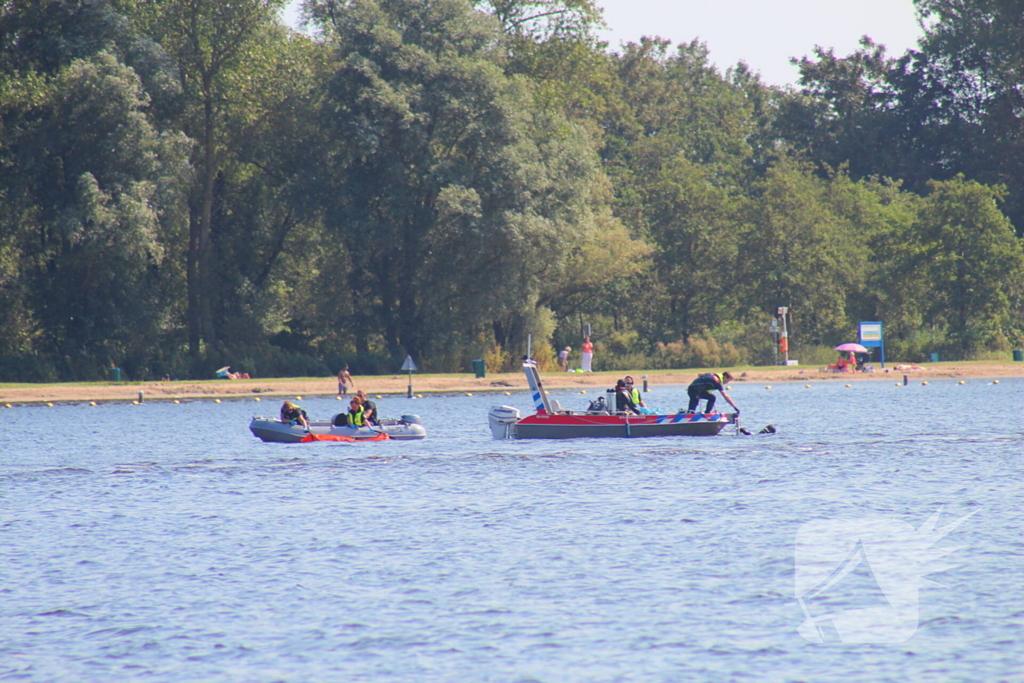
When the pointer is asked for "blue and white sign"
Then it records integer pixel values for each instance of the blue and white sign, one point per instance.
(871, 335)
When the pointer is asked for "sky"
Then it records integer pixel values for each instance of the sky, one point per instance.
(763, 33)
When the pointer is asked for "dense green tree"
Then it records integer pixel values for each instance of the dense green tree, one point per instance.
(555, 44)
(678, 160)
(692, 224)
(971, 262)
(844, 114)
(446, 177)
(455, 201)
(798, 251)
(952, 106)
(679, 94)
(103, 187)
(215, 46)
(970, 73)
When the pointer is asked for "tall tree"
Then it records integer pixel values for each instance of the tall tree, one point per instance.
(555, 44)
(678, 158)
(214, 45)
(973, 264)
(798, 252)
(844, 112)
(103, 186)
(971, 69)
(693, 225)
(455, 199)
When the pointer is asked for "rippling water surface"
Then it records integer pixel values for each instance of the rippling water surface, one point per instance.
(163, 542)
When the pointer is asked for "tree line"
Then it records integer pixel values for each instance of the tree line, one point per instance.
(186, 184)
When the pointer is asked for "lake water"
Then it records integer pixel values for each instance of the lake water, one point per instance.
(163, 542)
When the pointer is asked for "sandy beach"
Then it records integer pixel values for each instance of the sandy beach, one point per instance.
(27, 394)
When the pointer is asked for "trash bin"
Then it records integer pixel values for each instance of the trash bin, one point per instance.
(1018, 354)
(479, 368)
(115, 374)
(934, 357)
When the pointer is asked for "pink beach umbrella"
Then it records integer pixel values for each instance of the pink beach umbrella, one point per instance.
(856, 348)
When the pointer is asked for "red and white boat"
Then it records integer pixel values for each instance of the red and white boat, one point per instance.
(552, 422)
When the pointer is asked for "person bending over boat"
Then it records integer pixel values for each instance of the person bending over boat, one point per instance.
(623, 401)
(369, 408)
(293, 414)
(355, 417)
(702, 387)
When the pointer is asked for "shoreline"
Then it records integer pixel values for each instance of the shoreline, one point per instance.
(162, 391)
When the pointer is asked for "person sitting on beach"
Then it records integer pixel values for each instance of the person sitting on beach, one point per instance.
(623, 400)
(293, 414)
(369, 408)
(355, 417)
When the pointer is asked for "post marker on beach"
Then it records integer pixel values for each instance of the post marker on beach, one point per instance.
(409, 365)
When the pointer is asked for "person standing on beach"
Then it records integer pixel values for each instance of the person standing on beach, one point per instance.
(588, 355)
(344, 379)
(563, 358)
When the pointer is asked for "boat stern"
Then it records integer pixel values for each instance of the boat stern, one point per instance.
(502, 421)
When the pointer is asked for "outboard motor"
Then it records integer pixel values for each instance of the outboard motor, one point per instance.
(412, 419)
(502, 420)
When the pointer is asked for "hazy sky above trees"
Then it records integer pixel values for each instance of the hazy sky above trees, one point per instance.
(763, 33)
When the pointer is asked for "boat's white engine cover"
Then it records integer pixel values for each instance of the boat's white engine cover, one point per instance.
(501, 419)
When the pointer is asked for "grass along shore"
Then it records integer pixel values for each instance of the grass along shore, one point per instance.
(84, 392)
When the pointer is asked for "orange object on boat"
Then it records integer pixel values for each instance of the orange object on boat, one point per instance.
(381, 436)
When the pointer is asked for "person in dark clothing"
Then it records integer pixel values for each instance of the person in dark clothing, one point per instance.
(634, 393)
(702, 387)
(293, 414)
(369, 408)
(623, 401)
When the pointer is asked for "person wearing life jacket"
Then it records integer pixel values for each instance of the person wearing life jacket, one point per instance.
(355, 417)
(293, 414)
(623, 401)
(702, 387)
(634, 393)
